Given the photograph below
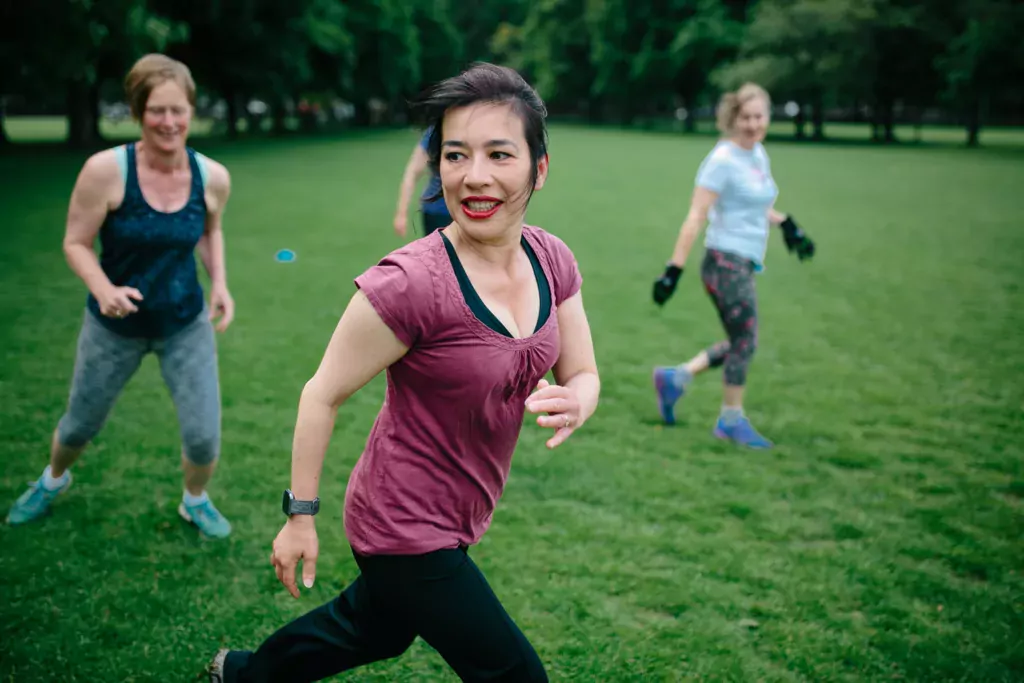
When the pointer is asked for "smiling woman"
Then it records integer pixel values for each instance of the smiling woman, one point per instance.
(466, 322)
(150, 203)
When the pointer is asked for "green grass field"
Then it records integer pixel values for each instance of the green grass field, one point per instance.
(882, 540)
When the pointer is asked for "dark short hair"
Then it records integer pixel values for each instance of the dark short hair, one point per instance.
(484, 82)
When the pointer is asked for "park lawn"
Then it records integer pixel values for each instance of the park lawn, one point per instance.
(881, 539)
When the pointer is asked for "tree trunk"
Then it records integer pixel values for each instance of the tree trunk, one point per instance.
(818, 117)
(83, 104)
(279, 127)
(4, 140)
(629, 110)
(974, 122)
(253, 123)
(361, 119)
(887, 113)
(232, 104)
(876, 121)
(799, 121)
(690, 122)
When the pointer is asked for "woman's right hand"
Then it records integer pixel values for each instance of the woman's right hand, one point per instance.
(400, 225)
(116, 302)
(296, 541)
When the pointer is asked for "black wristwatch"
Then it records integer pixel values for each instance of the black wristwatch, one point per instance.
(290, 506)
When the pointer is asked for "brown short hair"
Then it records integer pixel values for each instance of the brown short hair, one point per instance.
(151, 71)
(731, 103)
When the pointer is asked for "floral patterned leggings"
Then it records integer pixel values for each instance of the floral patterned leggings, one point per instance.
(729, 281)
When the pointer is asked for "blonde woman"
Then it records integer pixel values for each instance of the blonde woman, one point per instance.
(151, 203)
(735, 196)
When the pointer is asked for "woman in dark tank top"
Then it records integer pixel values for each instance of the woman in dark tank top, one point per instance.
(151, 204)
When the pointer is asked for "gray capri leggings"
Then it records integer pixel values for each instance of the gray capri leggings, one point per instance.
(105, 361)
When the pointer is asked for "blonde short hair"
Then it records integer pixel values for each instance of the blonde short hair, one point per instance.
(151, 71)
(731, 102)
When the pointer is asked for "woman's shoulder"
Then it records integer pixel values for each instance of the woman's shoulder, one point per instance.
(416, 263)
(103, 175)
(723, 151)
(424, 250)
(560, 259)
(107, 164)
(548, 242)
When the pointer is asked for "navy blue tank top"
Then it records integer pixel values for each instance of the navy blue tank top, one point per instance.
(154, 252)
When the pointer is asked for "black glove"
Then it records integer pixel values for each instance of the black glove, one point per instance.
(796, 239)
(665, 285)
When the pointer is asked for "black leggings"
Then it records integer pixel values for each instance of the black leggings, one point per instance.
(729, 281)
(441, 596)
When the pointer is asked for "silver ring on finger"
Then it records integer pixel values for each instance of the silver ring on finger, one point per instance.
(568, 421)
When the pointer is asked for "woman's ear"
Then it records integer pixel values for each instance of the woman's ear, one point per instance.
(542, 172)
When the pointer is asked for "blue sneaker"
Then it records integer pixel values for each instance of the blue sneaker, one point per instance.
(668, 392)
(742, 433)
(206, 518)
(34, 503)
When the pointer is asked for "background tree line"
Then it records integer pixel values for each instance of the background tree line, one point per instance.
(602, 61)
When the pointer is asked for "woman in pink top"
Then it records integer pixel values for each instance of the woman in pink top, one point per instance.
(466, 321)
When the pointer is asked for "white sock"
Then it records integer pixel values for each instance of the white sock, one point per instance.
(53, 484)
(731, 416)
(189, 499)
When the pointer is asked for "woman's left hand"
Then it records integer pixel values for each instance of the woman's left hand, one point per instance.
(562, 406)
(221, 306)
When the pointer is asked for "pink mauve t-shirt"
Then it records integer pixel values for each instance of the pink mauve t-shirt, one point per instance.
(439, 452)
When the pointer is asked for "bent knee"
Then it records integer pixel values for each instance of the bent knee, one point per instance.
(744, 346)
(393, 649)
(202, 451)
(76, 433)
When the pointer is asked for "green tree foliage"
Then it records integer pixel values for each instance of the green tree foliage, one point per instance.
(602, 60)
(983, 66)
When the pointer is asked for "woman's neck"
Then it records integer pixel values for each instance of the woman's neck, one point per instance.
(160, 161)
(502, 252)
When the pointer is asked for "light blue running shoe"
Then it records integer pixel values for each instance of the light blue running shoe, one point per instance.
(742, 433)
(206, 518)
(666, 380)
(34, 503)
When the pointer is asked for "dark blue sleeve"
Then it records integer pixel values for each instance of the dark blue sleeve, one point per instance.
(426, 138)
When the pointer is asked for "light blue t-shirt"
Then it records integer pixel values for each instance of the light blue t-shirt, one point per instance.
(738, 221)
